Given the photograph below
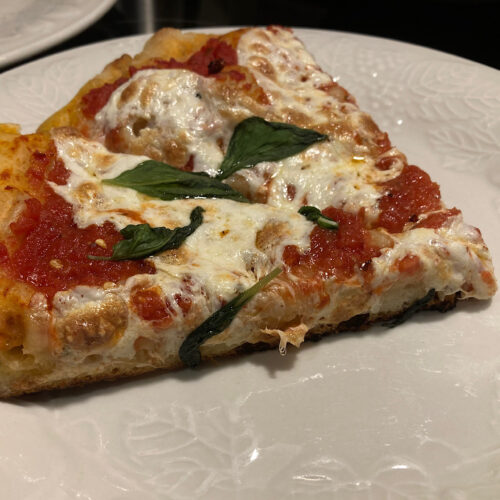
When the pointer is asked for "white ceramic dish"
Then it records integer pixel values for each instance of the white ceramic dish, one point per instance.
(412, 412)
(30, 26)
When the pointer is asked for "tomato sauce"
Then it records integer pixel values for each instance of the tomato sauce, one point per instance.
(210, 60)
(438, 219)
(94, 100)
(51, 251)
(150, 306)
(337, 253)
(407, 196)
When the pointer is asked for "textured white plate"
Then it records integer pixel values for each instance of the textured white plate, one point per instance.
(30, 26)
(412, 412)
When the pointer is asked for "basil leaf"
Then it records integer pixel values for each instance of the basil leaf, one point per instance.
(255, 140)
(189, 351)
(142, 240)
(163, 181)
(314, 215)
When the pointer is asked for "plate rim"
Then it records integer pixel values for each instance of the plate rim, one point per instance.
(222, 29)
(68, 30)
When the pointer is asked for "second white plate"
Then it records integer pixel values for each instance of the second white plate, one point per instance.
(30, 26)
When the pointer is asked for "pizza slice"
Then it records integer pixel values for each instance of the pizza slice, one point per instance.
(222, 194)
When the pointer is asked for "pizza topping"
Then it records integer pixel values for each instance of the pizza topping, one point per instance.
(159, 111)
(159, 180)
(209, 60)
(204, 255)
(320, 177)
(219, 321)
(407, 196)
(94, 100)
(438, 219)
(256, 140)
(149, 305)
(299, 91)
(314, 215)
(212, 58)
(143, 241)
(52, 251)
(336, 254)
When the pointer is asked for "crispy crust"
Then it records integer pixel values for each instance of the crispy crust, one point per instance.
(119, 370)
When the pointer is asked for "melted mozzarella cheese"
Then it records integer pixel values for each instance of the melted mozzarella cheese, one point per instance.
(325, 174)
(289, 75)
(179, 104)
(320, 177)
(220, 259)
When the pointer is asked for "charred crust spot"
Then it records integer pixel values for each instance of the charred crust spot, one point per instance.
(215, 66)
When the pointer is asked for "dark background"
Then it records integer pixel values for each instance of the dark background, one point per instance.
(468, 28)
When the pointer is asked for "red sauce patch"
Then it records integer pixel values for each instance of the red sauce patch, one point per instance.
(334, 253)
(407, 196)
(438, 219)
(4, 254)
(94, 100)
(189, 166)
(28, 220)
(386, 162)
(149, 305)
(53, 251)
(50, 251)
(183, 302)
(211, 59)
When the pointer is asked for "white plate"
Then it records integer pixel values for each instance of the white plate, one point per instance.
(412, 412)
(30, 26)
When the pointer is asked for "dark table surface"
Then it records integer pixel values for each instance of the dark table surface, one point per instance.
(468, 28)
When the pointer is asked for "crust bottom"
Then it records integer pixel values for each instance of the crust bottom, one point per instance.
(120, 369)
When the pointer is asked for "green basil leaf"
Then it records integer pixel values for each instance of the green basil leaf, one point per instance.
(163, 181)
(255, 140)
(314, 215)
(189, 351)
(142, 240)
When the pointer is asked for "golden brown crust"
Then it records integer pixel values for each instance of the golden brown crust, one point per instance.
(117, 370)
